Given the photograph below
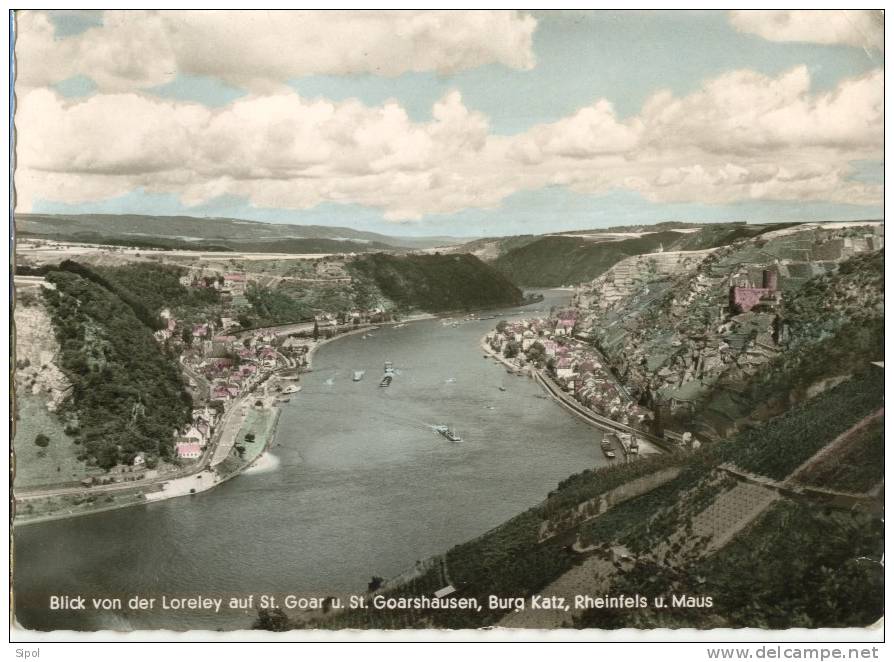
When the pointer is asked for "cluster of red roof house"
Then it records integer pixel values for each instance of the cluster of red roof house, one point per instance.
(192, 439)
(578, 365)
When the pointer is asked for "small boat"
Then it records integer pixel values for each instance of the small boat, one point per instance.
(389, 368)
(609, 454)
(447, 433)
(291, 389)
(358, 375)
(283, 399)
(450, 380)
(386, 381)
(502, 388)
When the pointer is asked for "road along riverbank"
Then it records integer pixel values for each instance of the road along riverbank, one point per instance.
(647, 442)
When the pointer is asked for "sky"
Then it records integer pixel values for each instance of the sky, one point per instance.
(462, 123)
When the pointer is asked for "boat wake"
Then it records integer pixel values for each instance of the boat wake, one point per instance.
(266, 464)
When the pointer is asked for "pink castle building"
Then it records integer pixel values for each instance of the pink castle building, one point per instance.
(743, 299)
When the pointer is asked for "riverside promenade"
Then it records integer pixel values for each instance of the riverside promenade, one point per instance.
(648, 442)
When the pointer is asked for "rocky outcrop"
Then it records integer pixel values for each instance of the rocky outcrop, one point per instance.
(36, 354)
(665, 324)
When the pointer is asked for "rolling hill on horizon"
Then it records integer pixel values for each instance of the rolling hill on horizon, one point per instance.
(217, 231)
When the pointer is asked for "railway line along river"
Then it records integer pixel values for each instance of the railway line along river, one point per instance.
(358, 483)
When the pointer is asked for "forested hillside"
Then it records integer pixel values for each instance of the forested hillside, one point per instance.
(158, 286)
(437, 282)
(552, 261)
(127, 394)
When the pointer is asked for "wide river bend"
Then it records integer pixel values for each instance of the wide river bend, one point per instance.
(357, 484)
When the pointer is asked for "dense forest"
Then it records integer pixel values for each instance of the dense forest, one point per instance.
(127, 393)
(270, 307)
(157, 286)
(437, 283)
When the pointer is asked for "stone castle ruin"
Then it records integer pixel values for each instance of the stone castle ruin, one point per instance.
(745, 296)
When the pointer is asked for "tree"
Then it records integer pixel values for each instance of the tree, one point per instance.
(536, 352)
(316, 330)
(42, 440)
(186, 334)
(375, 584)
(511, 350)
(250, 437)
(501, 325)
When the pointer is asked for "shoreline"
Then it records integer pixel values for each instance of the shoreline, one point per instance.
(146, 500)
(208, 470)
(587, 417)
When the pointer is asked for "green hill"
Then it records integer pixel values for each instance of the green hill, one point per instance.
(571, 258)
(552, 261)
(437, 283)
(127, 393)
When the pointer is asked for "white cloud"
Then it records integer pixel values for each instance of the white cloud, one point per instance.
(130, 51)
(746, 112)
(742, 136)
(863, 28)
(262, 50)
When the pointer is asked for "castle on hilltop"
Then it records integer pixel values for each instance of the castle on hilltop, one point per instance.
(745, 296)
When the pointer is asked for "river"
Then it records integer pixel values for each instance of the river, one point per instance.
(358, 485)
